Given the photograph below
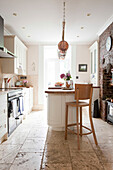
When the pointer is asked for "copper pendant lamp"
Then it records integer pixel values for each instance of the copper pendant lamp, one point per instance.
(63, 45)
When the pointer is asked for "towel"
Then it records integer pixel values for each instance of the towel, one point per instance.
(21, 105)
(15, 110)
(10, 108)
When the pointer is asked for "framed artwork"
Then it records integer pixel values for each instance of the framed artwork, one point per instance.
(82, 67)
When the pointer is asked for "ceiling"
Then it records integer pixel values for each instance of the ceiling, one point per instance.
(42, 19)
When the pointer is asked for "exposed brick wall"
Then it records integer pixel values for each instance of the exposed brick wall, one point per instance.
(106, 90)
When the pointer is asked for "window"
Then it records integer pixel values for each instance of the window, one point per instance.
(53, 66)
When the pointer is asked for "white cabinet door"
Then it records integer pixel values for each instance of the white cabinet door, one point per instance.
(3, 115)
(94, 72)
(30, 99)
(17, 54)
(15, 65)
(24, 61)
(26, 101)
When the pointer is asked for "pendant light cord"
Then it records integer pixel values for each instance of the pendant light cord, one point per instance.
(63, 21)
(64, 12)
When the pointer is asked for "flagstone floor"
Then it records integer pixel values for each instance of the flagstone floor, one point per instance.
(32, 146)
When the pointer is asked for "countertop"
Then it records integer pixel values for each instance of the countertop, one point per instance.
(55, 90)
(59, 91)
(7, 90)
(4, 91)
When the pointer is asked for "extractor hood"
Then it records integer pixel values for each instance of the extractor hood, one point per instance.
(4, 53)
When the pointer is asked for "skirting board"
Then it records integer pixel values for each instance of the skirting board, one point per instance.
(38, 107)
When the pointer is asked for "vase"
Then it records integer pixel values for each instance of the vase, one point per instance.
(67, 83)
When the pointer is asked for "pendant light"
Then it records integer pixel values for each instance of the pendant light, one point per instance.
(63, 45)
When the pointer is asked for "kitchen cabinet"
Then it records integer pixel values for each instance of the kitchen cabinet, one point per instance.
(94, 71)
(3, 117)
(28, 100)
(14, 65)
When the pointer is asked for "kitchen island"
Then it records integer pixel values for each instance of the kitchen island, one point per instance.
(56, 99)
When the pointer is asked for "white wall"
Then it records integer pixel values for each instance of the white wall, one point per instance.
(82, 57)
(32, 61)
(32, 72)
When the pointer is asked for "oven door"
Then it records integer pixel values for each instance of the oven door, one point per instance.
(13, 114)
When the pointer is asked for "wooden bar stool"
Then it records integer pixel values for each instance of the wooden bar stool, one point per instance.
(82, 92)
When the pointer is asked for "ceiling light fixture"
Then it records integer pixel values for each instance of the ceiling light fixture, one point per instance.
(88, 14)
(15, 14)
(82, 28)
(23, 28)
(62, 45)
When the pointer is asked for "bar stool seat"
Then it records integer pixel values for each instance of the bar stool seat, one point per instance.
(80, 104)
(82, 92)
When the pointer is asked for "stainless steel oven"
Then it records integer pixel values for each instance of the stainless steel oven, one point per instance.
(15, 109)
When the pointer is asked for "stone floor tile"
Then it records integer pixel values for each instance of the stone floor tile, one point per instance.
(8, 153)
(86, 160)
(56, 157)
(89, 166)
(57, 167)
(60, 147)
(33, 145)
(30, 146)
(4, 166)
(108, 166)
(84, 146)
(105, 156)
(37, 133)
(27, 161)
(16, 139)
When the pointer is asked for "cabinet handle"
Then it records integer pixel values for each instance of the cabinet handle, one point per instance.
(4, 110)
(5, 125)
(1, 126)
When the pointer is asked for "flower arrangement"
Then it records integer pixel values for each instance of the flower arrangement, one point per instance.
(25, 82)
(66, 76)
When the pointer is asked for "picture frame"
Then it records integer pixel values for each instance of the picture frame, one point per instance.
(82, 67)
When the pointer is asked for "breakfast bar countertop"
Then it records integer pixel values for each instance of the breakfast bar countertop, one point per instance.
(55, 90)
(59, 91)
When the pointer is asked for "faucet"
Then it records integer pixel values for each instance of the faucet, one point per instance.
(10, 79)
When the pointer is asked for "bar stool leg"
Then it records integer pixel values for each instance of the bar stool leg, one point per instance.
(80, 121)
(92, 127)
(77, 128)
(66, 121)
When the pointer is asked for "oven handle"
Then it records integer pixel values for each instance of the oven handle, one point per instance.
(15, 97)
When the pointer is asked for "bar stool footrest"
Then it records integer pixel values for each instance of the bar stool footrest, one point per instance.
(88, 133)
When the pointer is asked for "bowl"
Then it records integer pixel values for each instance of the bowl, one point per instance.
(58, 84)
